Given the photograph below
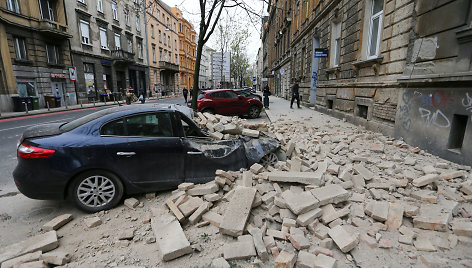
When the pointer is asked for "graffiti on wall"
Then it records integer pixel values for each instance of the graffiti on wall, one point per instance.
(430, 108)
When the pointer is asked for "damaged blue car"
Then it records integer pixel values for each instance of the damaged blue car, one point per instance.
(97, 159)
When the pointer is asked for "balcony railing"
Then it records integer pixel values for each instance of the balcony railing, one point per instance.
(123, 56)
(54, 28)
(168, 66)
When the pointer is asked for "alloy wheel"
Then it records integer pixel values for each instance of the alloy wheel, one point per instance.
(96, 191)
(269, 160)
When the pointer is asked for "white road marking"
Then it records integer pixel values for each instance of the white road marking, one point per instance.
(55, 121)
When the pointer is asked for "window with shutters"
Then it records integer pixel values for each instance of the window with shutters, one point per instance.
(103, 38)
(85, 32)
(117, 41)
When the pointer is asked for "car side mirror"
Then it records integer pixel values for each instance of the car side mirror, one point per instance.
(240, 97)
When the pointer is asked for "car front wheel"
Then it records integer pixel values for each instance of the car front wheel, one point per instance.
(96, 190)
(254, 112)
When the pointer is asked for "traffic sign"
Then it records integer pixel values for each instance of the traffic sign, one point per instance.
(72, 74)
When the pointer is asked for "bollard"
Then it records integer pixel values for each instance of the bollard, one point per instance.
(47, 104)
(26, 107)
(81, 104)
(93, 102)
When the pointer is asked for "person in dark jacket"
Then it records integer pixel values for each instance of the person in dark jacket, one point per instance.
(185, 92)
(295, 94)
(266, 94)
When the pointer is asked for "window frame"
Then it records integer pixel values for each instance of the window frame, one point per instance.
(335, 59)
(117, 35)
(140, 48)
(105, 31)
(56, 54)
(373, 17)
(18, 48)
(114, 8)
(13, 6)
(49, 9)
(126, 11)
(125, 119)
(100, 6)
(88, 40)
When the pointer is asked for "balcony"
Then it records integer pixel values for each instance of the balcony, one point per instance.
(167, 66)
(121, 56)
(54, 29)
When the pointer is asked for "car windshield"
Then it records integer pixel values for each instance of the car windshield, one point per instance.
(243, 93)
(83, 120)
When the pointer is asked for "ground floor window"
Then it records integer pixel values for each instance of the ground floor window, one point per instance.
(26, 88)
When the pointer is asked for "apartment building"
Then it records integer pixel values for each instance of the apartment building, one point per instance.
(163, 47)
(204, 78)
(34, 52)
(389, 65)
(221, 69)
(108, 46)
(187, 50)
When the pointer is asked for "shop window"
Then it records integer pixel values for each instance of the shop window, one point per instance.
(458, 127)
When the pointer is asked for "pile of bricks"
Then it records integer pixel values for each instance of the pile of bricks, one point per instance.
(222, 127)
(333, 192)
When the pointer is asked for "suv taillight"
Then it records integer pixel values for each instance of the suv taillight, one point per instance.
(29, 152)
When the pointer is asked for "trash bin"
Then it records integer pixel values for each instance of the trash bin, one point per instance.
(58, 101)
(35, 102)
(20, 103)
(51, 100)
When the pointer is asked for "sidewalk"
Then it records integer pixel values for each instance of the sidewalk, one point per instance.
(6, 115)
(280, 108)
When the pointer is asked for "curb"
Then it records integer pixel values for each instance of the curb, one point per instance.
(71, 108)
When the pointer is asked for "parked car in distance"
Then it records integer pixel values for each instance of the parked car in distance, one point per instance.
(97, 159)
(228, 102)
(248, 92)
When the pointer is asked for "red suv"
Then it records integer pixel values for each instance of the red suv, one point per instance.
(227, 102)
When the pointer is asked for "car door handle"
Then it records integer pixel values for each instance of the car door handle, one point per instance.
(125, 153)
(194, 153)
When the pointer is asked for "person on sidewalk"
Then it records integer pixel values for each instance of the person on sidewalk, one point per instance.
(295, 95)
(266, 94)
(142, 96)
(185, 92)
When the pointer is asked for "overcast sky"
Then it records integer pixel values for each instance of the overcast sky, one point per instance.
(191, 10)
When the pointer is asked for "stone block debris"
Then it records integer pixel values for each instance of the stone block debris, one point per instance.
(237, 213)
(171, 238)
(57, 222)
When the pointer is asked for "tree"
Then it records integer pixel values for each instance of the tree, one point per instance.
(239, 59)
(210, 13)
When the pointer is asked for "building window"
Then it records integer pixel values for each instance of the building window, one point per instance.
(176, 59)
(140, 49)
(375, 27)
(335, 44)
(155, 78)
(151, 7)
(164, 39)
(127, 17)
(85, 32)
(103, 38)
(117, 41)
(158, 14)
(180, 27)
(130, 45)
(163, 18)
(153, 53)
(160, 40)
(138, 28)
(53, 54)
(152, 31)
(20, 48)
(160, 54)
(114, 8)
(175, 44)
(168, 41)
(100, 6)
(13, 5)
(47, 9)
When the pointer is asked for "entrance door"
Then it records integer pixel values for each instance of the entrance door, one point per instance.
(314, 72)
(58, 90)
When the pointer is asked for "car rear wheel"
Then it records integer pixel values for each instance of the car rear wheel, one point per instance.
(208, 110)
(96, 190)
(254, 112)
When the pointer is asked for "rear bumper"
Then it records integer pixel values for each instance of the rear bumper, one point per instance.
(36, 185)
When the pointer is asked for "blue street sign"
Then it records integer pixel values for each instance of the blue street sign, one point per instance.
(321, 52)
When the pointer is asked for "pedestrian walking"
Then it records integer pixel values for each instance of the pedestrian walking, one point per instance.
(142, 96)
(185, 92)
(128, 96)
(266, 94)
(295, 95)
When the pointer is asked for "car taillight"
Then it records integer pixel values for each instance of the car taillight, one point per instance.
(28, 152)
